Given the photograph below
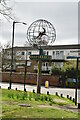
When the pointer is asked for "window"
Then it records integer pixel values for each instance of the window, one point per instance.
(28, 63)
(47, 52)
(57, 52)
(22, 53)
(46, 64)
(53, 52)
(43, 64)
(62, 53)
(29, 53)
(18, 53)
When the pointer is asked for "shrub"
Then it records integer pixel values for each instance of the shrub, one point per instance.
(70, 72)
(56, 71)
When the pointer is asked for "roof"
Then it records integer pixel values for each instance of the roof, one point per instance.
(74, 46)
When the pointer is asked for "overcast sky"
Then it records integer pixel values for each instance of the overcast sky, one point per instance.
(63, 16)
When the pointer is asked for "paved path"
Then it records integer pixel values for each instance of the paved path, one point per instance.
(64, 91)
(64, 107)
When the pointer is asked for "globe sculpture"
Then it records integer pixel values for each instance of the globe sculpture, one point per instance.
(41, 32)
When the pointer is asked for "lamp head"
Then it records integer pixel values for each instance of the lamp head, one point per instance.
(24, 23)
(20, 22)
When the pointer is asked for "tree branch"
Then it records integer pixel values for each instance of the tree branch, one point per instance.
(5, 10)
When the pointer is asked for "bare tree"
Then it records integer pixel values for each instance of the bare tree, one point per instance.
(26, 44)
(6, 57)
(5, 10)
(0, 56)
(7, 45)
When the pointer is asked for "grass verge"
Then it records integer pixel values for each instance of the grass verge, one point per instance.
(11, 109)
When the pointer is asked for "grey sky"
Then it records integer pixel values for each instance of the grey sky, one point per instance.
(63, 16)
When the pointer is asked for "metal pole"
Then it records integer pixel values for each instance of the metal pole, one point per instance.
(25, 71)
(76, 82)
(12, 51)
(39, 73)
(12, 55)
(39, 77)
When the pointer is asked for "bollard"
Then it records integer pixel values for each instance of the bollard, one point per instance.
(8, 88)
(24, 90)
(16, 89)
(67, 96)
(78, 105)
(73, 100)
(61, 95)
(47, 92)
(33, 91)
(70, 98)
(57, 93)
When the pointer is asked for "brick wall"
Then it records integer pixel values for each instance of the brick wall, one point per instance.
(30, 78)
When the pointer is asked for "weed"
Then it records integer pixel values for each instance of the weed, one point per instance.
(50, 99)
(41, 98)
(46, 98)
(51, 103)
(17, 96)
(36, 98)
(12, 95)
(25, 95)
(30, 96)
(9, 95)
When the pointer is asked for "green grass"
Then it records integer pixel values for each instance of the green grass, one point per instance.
(17, 111)
(11, 99)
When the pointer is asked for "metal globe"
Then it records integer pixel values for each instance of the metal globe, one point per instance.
(41, 32)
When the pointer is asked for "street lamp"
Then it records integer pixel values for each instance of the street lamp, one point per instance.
(25, 71)
(14, 22)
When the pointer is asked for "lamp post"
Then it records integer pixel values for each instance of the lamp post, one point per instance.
(76, 81)
(14, 22)
(25, 72)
